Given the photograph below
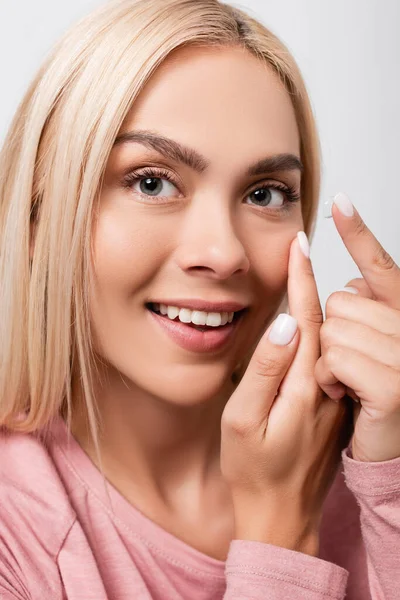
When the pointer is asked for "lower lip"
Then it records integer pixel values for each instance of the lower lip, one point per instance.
(192, 339)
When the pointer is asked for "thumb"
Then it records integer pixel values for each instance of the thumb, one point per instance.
(251, 402)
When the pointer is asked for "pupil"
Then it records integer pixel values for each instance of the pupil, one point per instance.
(152, 182)
(260, 195)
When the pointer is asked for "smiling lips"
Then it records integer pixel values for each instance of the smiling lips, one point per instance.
(197, 330)
(195, 317)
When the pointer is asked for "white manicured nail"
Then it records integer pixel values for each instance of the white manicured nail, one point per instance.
(350, 289)
(283, 329)
(303, 242)
(343, 203)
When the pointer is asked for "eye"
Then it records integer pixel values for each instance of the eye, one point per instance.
(273, 195)
(151, 182)
(154, 182)
(267, 196)
(153, 186)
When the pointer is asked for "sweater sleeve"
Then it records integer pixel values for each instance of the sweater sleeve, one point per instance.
(6, 594)
(259, 571)
(376, 487)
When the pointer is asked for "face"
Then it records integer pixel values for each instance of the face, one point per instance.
(193, 216)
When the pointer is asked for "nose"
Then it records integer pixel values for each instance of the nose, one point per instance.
(209, 245)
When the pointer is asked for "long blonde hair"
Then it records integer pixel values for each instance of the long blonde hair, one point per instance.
(51, 171)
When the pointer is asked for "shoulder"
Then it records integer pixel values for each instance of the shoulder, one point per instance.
(35, 513)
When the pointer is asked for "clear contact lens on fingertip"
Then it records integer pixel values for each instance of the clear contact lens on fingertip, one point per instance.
(327, 207)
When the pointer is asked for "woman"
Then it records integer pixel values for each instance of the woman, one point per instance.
(164, 436)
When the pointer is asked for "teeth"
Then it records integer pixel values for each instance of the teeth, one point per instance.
(172, 312)
(197, 317)
(185, 315)
(213, 319)
(224, 318)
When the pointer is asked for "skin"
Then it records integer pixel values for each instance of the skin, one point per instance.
(360, 343)
(210, 240)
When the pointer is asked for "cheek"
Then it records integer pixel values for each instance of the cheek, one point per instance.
(270, 258)
(125, 256)
(125, 260)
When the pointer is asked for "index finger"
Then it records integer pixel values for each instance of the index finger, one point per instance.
(305, 306)
(378, 268)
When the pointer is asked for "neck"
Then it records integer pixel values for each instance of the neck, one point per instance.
(148, 444)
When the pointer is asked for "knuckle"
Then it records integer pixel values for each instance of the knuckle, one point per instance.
(313, 314)
(333, 355)
(240, 426)
(266, 366)
(382, 260)
(329, 330)
(360, 228)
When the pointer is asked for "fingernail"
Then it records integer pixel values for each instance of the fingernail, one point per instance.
(283, 330)
(303, 242)
(350, 289)
(343, 203)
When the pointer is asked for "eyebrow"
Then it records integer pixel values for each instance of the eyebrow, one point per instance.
(193, 159)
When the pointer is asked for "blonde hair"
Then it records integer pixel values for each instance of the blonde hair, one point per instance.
(51, 170)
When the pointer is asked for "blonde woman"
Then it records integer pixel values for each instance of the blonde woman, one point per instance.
(169, 431)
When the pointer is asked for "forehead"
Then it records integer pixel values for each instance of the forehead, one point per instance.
(218, 99)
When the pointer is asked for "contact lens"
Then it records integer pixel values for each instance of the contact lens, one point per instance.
(327, 208)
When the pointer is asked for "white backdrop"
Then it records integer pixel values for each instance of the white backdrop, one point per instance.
(348, 51)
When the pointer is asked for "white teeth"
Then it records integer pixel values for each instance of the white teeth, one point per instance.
(224, 318)
(197, 317)
(213, 319)
(173, 312)
(185, 315)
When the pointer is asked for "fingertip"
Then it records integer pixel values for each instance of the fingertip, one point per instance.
(283, 330)
(303, 243)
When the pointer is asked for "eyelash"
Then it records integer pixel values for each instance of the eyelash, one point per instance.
(292, 196)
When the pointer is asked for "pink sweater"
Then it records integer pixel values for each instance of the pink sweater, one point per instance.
(59, 538)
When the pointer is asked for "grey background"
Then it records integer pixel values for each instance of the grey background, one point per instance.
(348, 51)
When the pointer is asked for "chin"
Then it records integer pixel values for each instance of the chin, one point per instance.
(180, 384)
(197, 388)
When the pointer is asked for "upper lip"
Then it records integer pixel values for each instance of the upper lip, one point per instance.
(203, 305)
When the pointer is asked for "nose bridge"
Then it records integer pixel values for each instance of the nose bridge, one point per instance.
(210, 239)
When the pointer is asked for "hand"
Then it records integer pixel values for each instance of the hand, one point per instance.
(360, 344)
(281, 436)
